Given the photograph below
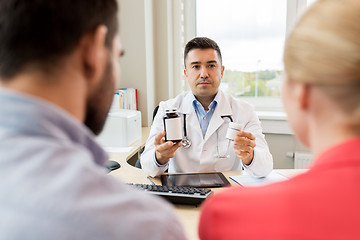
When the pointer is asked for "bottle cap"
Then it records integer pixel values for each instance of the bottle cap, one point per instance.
(171, 110)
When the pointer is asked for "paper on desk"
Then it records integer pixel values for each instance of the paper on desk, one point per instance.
(246, 179)
(117, 149)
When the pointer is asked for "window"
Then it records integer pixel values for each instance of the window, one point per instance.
(310, 2)
(251, 36)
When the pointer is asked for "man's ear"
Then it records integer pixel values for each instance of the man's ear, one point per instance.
(185, 73)
(222, 71)
(95, 54)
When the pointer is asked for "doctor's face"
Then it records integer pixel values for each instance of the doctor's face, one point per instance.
(203, 71)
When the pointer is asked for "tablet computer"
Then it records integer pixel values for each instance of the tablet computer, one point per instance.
(203, 180)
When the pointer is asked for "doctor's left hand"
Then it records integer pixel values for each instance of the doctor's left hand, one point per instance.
(244, 144)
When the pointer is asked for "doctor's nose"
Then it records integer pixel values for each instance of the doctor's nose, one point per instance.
(204, 73)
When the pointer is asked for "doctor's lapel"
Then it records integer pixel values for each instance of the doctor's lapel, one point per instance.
(215, 122)
(192, 121)
(223, 109)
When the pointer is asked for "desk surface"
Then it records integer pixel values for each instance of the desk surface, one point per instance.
(188, 215)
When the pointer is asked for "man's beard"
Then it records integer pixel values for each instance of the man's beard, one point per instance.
(98, 104)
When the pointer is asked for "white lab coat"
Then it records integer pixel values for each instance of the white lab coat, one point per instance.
(207, 153)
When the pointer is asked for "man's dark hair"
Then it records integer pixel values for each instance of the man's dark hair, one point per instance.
(201, 43)
(41, 32)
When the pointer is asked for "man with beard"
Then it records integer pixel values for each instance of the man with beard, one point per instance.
(206, 113)
(57, 72)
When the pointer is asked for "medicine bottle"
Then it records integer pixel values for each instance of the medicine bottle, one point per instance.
(172, 125)
(233, 130)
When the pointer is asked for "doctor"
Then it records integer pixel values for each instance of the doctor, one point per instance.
(206, 113)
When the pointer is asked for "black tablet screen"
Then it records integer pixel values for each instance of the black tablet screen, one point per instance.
(215, 179)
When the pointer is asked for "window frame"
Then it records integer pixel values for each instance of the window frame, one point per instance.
(294, 10)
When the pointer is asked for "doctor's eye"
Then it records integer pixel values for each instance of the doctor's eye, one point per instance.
(195, 66)
(211, 66)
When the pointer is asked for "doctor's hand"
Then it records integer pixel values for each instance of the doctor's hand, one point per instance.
(164, 150)
(244, 144)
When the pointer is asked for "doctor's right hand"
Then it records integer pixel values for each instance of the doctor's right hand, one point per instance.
(164, 150)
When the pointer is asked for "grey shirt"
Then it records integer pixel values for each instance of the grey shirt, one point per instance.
(53, 184)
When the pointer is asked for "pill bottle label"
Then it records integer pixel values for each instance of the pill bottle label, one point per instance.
(231, 133)
(232, 130)
(173, 129)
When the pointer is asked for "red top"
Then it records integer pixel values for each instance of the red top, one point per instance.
(323, 203)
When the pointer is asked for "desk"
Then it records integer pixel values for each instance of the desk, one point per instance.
(188, 215)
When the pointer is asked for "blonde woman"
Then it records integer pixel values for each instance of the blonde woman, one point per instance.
(321, 94)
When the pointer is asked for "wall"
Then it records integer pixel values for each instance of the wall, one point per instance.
(133, 64)
(148, 34)
(279, 136)
(161, 47)
(281, 145)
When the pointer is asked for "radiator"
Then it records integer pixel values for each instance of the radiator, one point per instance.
(301, 159)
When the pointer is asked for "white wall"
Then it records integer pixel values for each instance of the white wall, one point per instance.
(133, 65)
(281, 145)
(148, 32)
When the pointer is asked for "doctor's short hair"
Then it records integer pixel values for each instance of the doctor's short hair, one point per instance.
(38, 34)
(201, 43)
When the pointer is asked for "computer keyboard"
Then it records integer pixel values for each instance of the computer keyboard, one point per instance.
(177, 194)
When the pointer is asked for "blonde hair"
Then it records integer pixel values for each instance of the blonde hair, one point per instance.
(324, 49)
